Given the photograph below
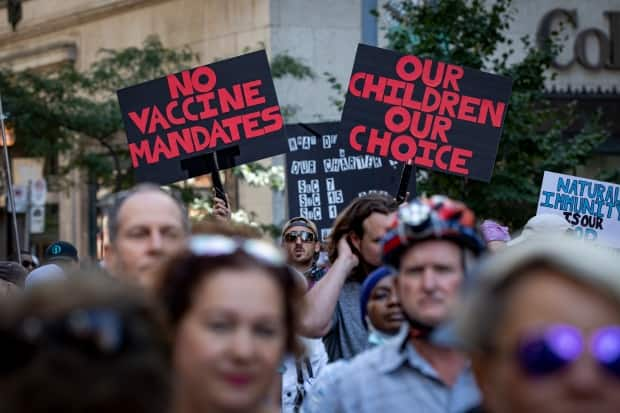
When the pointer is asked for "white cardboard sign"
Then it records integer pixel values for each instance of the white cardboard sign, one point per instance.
(591, 207)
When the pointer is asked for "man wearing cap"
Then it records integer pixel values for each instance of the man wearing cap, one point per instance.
(300, 240)
(146, 225)
(63, 254)
(542, 326)
(430, 244)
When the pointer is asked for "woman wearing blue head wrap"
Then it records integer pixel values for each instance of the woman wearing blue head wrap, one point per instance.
(379, 305)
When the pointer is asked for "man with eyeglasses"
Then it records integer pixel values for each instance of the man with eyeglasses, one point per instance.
(300, 241)
(542, 325)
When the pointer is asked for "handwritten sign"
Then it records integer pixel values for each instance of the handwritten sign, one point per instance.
(591, 207)
(324, 175)
(442, 116)
(229, 107)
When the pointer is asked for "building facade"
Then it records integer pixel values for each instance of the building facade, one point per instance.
(323, 34)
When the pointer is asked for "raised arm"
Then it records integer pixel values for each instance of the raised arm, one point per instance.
(322, 298)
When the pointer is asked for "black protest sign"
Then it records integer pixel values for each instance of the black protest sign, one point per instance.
(228, 107)
(442, 116)
(324, 174)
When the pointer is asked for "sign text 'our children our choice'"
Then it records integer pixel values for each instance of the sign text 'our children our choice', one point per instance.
(425, 100)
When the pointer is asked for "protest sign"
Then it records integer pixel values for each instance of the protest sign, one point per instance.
(442, 116)
(591, 207)
(228, 107)
(324, 175)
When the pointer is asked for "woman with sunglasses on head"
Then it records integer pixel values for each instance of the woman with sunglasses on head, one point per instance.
(542, 325)
(233, 307)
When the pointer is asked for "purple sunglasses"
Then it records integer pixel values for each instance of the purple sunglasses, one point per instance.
(549, 350)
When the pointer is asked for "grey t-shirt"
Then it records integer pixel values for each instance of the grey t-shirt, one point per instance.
(347, 336)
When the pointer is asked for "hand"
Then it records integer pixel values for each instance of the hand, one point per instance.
(345, 253)
(220, 209)
(406, 199)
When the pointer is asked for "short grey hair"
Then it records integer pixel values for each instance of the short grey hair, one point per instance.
(483, 308)
(121, 197)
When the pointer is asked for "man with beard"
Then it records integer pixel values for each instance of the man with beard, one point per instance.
(430, 245)
(300, 241)
(146, 225)
(354, 249)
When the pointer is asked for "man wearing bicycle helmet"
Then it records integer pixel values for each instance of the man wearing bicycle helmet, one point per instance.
(430, 244)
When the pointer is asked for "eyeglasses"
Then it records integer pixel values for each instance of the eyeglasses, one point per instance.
(218, 245)
(95, 332)
(550, 350)
(305, 236)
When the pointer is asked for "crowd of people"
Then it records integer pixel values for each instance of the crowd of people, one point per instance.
(416, 307)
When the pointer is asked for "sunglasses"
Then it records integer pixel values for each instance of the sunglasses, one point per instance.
(305, 236)
(93, 332)
(557, 346)
(218, 245)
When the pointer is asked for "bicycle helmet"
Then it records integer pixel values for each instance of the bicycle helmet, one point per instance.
(438, 217)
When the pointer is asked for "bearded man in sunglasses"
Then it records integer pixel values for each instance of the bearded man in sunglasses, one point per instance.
(543, 328)
(300, 241)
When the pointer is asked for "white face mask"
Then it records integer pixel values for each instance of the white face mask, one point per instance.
(376, 337)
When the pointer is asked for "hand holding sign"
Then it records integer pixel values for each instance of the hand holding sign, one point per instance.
(441, 116)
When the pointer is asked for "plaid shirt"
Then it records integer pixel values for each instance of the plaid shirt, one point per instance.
(391, 378)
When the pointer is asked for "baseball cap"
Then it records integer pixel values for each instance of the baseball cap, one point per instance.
(61, 250)
(301, 222)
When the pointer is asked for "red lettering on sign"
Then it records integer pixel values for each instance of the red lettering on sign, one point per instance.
(467, 107)
(427, 78)
(353, 137)
(492, 109)
(459, 159)
(409, 68)
(374, 88)
(410, 148)
(217, 132)
(232, 124)
(170, 113)
(353, 89)
(383, 142)
(250, 125)
(184, 139)
(141, 150)
(201, 79)
(185, 108)
(228, 100)
(453, 75)
(158, 119)
(141, 119)
(197, 132)
(440, 127)
(272, 114)
(252, 94)
(425, 159)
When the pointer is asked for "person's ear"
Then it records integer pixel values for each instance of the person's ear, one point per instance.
(317, 247)
(356, 241)
(109, 257)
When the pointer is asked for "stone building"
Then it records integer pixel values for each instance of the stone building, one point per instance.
(322, 33)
